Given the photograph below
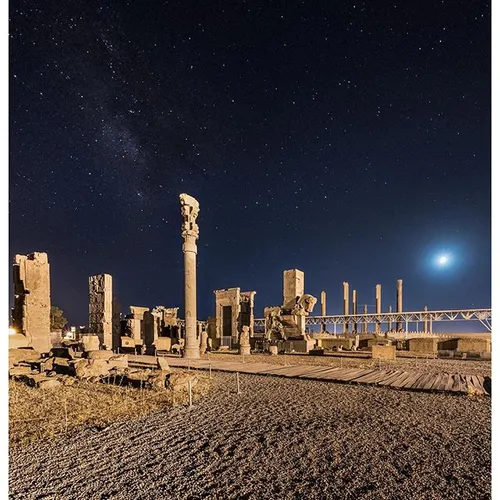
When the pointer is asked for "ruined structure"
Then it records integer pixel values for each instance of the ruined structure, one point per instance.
(287, 322)
(153, 329)
(323, 310)
(139, 325)
(399, 302)
(378, 305)
(190, 232)
(165, 331)
(346, 305)
(101, 309)
(233, 310)
(31, 312)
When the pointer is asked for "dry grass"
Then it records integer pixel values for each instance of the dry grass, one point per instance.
(40, 414)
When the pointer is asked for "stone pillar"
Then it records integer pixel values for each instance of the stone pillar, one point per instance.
(31, 312)
(355, 308)
(323, 310)
(399, 302)
(190, 232)
(293, 287)
(389, 325)
(365, 322)
(346, 305)
(101, 308)
(378, 305)
(425, 320)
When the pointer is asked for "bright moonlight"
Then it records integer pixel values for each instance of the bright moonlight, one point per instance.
(443, 260)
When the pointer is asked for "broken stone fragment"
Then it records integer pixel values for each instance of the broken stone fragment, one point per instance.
(48, 383)
(62, 352)
(99, 354)
(47, 364)
(179, 381)
(18, 355)
(19, 370)
(157, 380)
(90, 342)
(163, 364)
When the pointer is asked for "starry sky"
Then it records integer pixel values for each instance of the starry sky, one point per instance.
(350, 140)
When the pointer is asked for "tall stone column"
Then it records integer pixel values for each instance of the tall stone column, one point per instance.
(190, 232)
(365, 322)
(355, 308)
(346, 305)
(378, 305)
(323, 309)
(399, 302)
(390, 320)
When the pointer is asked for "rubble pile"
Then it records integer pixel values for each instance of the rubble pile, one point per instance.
(64, 366)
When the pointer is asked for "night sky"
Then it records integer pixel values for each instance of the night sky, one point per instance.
(350, 140)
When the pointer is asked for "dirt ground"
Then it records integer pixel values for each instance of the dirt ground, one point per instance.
(428, 365)
(279, 439)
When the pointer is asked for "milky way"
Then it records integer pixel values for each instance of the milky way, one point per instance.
(350, 141)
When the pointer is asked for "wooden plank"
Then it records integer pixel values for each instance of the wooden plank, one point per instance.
(477, 381)
(443, 380)
(416, 382)
(367, 376)
(346, 374)
(401, 380)
(423, 382)
(391, 376)
(411, 380)
(449, 383)
(312, 373)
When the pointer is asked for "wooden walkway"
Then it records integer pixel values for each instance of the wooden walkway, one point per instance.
(414, 380)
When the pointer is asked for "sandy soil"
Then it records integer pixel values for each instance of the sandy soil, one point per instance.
(280, 438)
(428, 365)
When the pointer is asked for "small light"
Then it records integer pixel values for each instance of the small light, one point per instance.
(12, 331)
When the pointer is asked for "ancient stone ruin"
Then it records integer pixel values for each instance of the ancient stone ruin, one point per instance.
(101, 309)
(234, 309)
(287, 323)
(31, 312)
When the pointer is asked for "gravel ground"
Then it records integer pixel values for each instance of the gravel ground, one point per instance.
(279, 439)
(464, 367)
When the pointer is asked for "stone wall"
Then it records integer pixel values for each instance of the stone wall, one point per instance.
(31, 313)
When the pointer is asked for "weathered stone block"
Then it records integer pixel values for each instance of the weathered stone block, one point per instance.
(163, 364)
(330, 343)
(100, 354)
(383, 351)
(18, 355)
(179, 381)
(31, 312)
(423, 345)
(62, 352)
(19, 370)
(163, 343)
(48, 383)
(90, 342)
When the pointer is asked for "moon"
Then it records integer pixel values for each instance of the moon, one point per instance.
(443, 260)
